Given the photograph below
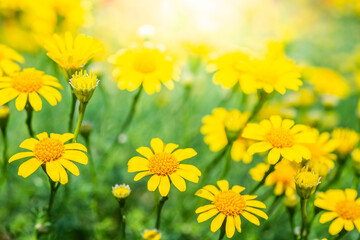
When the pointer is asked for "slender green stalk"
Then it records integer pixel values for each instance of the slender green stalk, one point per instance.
(274, 204)
(4, 152)
(29, 111)
(263, 97)
(72, 111)
(53, 189)
(339, 236)
(212, 164)
(259, 184)
(227, 162)
(122, 219)
(303, 231)
(222, 231)
(159, 208)
(355, 182)
(131, 114)
(93, 176)
(82, 108)
(291, 213)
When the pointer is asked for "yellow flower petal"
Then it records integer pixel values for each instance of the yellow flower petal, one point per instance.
(350, 194)
(140, 175)
(237, 223)
(237, 188)
(63, 175)
(164, 186)
(53, 171)
(327, 216)
(230, 226)
(276, 121)
(348, 225)
(178, 182)
(170, 147)
(251, 218)
(29, 167)
(138, 161)
(259, 147)
(157, 145)
(7, 94)
(223, 185)
(207, 215)
(190, 176)
(256, 212)
(190, 168)
(20, 155)
(274, 156)
(153, 182)
(336, 226)
(205, 194)
(254, 203)
(66, 137)
(70, 166)
(20, 101)
(29, 143)
(76, 156)
(35, 101)
(145, 151)
(183, 154)
(212, 189)
(204, 208)
(41, 136)
(76, 146)
(217, 222)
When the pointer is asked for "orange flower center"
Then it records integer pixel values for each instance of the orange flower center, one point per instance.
(163, 164)
(145, 62)
(280, 138)
(49, 149)
(27, 81)
(348, 210)
(230, 203)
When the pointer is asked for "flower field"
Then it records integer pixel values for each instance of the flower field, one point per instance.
(180, 119)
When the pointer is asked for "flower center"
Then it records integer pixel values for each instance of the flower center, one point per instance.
(163, 164)
(48, 149)
(27, 81)
(280, 138)
(348, 210)
(230, 203)
(145, 62)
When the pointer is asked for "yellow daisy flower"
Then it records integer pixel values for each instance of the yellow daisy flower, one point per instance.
(222, 126)
(72, 53)
(322, 158)
(26, 86)
(8, 58)
(346, 138)
(342, 206)
(328, 82)
(164, 164)
(229, 68)
(144, 64)
(282, 176)
(121, 191)
(151, 234)
(53, 154)
(274, 72)
(281, 137)
(230, 204)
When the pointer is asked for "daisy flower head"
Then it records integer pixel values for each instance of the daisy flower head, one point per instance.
(273, 72)
(147, 65)
(347, 139)
(306, 182)
(342, 206)
(72, 53)
(84, 85)
(163, 162)
(8, 59)
(53, 153)
(322, 158)
(121, 191)
(229, 69)
(151, 234)
(282, 137)
(228, 204)
(26, 86)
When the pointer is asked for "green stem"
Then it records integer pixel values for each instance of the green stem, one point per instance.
(340, 235)
(274, 204)
(291, 212)
(263, 97)
(355, 182)
(93, 176)
(303, 231)
(227, 162)
(122, 219)
(29, 111)
(82, 108)
(53, 189)
(72, 111)
(4, 152)
(214, 162)
(259, 184)
(222, 231)
(159, 208)
(338, 171)
(132, 111)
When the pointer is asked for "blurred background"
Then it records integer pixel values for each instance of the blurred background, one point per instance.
(320, 34)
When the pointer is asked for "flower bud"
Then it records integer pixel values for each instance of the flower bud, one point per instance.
(84, 85)
(306, 182)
